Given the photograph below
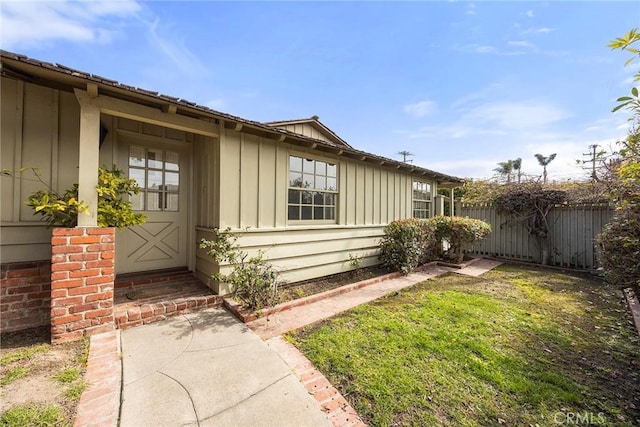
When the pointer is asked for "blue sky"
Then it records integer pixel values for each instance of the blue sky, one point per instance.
(462, 85)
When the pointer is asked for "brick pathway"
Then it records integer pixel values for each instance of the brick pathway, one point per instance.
(284, 321)
(100, 402)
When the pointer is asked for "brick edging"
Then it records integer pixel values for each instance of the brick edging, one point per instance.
(339, 411)
(100, 403)
(245, 315)
(634, 306)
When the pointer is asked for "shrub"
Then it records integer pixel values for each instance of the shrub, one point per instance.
(619, 247)
(114, 207)
(404, 245)
(253, 280)
(458, 232)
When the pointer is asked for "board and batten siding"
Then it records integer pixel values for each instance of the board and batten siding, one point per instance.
(306, 130)
(253, 181)
(40, 129)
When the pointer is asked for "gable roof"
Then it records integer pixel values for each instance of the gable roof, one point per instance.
(61, 77)
(314, 122)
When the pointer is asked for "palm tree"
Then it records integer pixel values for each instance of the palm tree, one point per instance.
(506, 169)
(517, 166)
(544, 161)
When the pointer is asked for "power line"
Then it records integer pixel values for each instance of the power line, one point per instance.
(593, 158)
(405, 154)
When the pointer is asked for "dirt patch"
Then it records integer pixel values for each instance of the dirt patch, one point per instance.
(305, 288)
(30, 353)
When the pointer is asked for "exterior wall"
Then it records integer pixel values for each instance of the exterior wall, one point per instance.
(40, 129)
(206, 165)
(238, 181)
(306, 130)
(253, 180)
(25, 295)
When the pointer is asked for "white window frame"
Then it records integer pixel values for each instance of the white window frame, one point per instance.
(324, 189)
(428, 191)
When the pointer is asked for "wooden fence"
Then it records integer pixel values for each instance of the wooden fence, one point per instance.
(573, 233)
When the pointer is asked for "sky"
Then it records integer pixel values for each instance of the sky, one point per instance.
(461, 85)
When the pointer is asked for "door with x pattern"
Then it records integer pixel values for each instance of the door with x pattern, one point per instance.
(161, 242)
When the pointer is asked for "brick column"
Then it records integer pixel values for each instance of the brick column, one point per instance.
(82, 275)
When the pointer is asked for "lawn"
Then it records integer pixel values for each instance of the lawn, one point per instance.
(40, 384)
(516, 346)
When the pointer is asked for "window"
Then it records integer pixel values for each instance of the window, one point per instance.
(421, 199)
(157, 173)
(313, 189)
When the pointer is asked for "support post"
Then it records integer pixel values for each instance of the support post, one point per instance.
(452, 204)
(439, 204)
(89, 157)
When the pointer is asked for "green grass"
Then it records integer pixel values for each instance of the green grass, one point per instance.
(514, 347)
(75, 391)
(34, 415)
(72, 378)
(19, 355)
(13, 374)
(63, 364)
(67, 375)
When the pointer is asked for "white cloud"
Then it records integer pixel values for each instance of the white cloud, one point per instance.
(420, 109)
(216, 104)
(471, 9)
(485, 49)
(482, 131)
(163, 39)
(511, 48)
(463, 168)
(521, 43)
(540, 30)
(517, 115)
(30, 23)
(529, 14)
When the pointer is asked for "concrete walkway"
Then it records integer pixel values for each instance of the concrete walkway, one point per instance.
(208, 369)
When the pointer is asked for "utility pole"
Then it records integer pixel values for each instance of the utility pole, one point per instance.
(405, 154)
(594, 156)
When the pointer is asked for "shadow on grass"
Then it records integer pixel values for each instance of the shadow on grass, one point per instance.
(516, 346)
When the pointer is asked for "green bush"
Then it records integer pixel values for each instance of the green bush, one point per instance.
(253, 280)
(619, 247)
(114, 207)
(458, 232)
(404, 245)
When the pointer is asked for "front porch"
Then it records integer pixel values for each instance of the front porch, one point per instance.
(151, 296)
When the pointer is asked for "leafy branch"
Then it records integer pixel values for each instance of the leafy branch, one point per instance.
(627, 42)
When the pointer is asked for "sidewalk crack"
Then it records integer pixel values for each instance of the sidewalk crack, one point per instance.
(247, 398)
(193, 405)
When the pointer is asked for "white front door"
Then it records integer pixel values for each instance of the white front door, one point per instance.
(161, 171)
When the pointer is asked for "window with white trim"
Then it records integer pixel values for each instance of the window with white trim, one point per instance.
(313, 190)
(421, 199)
(157, 173)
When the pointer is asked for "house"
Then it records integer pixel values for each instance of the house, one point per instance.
(293, 188)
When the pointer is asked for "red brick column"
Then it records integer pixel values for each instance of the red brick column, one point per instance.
(82, 275)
